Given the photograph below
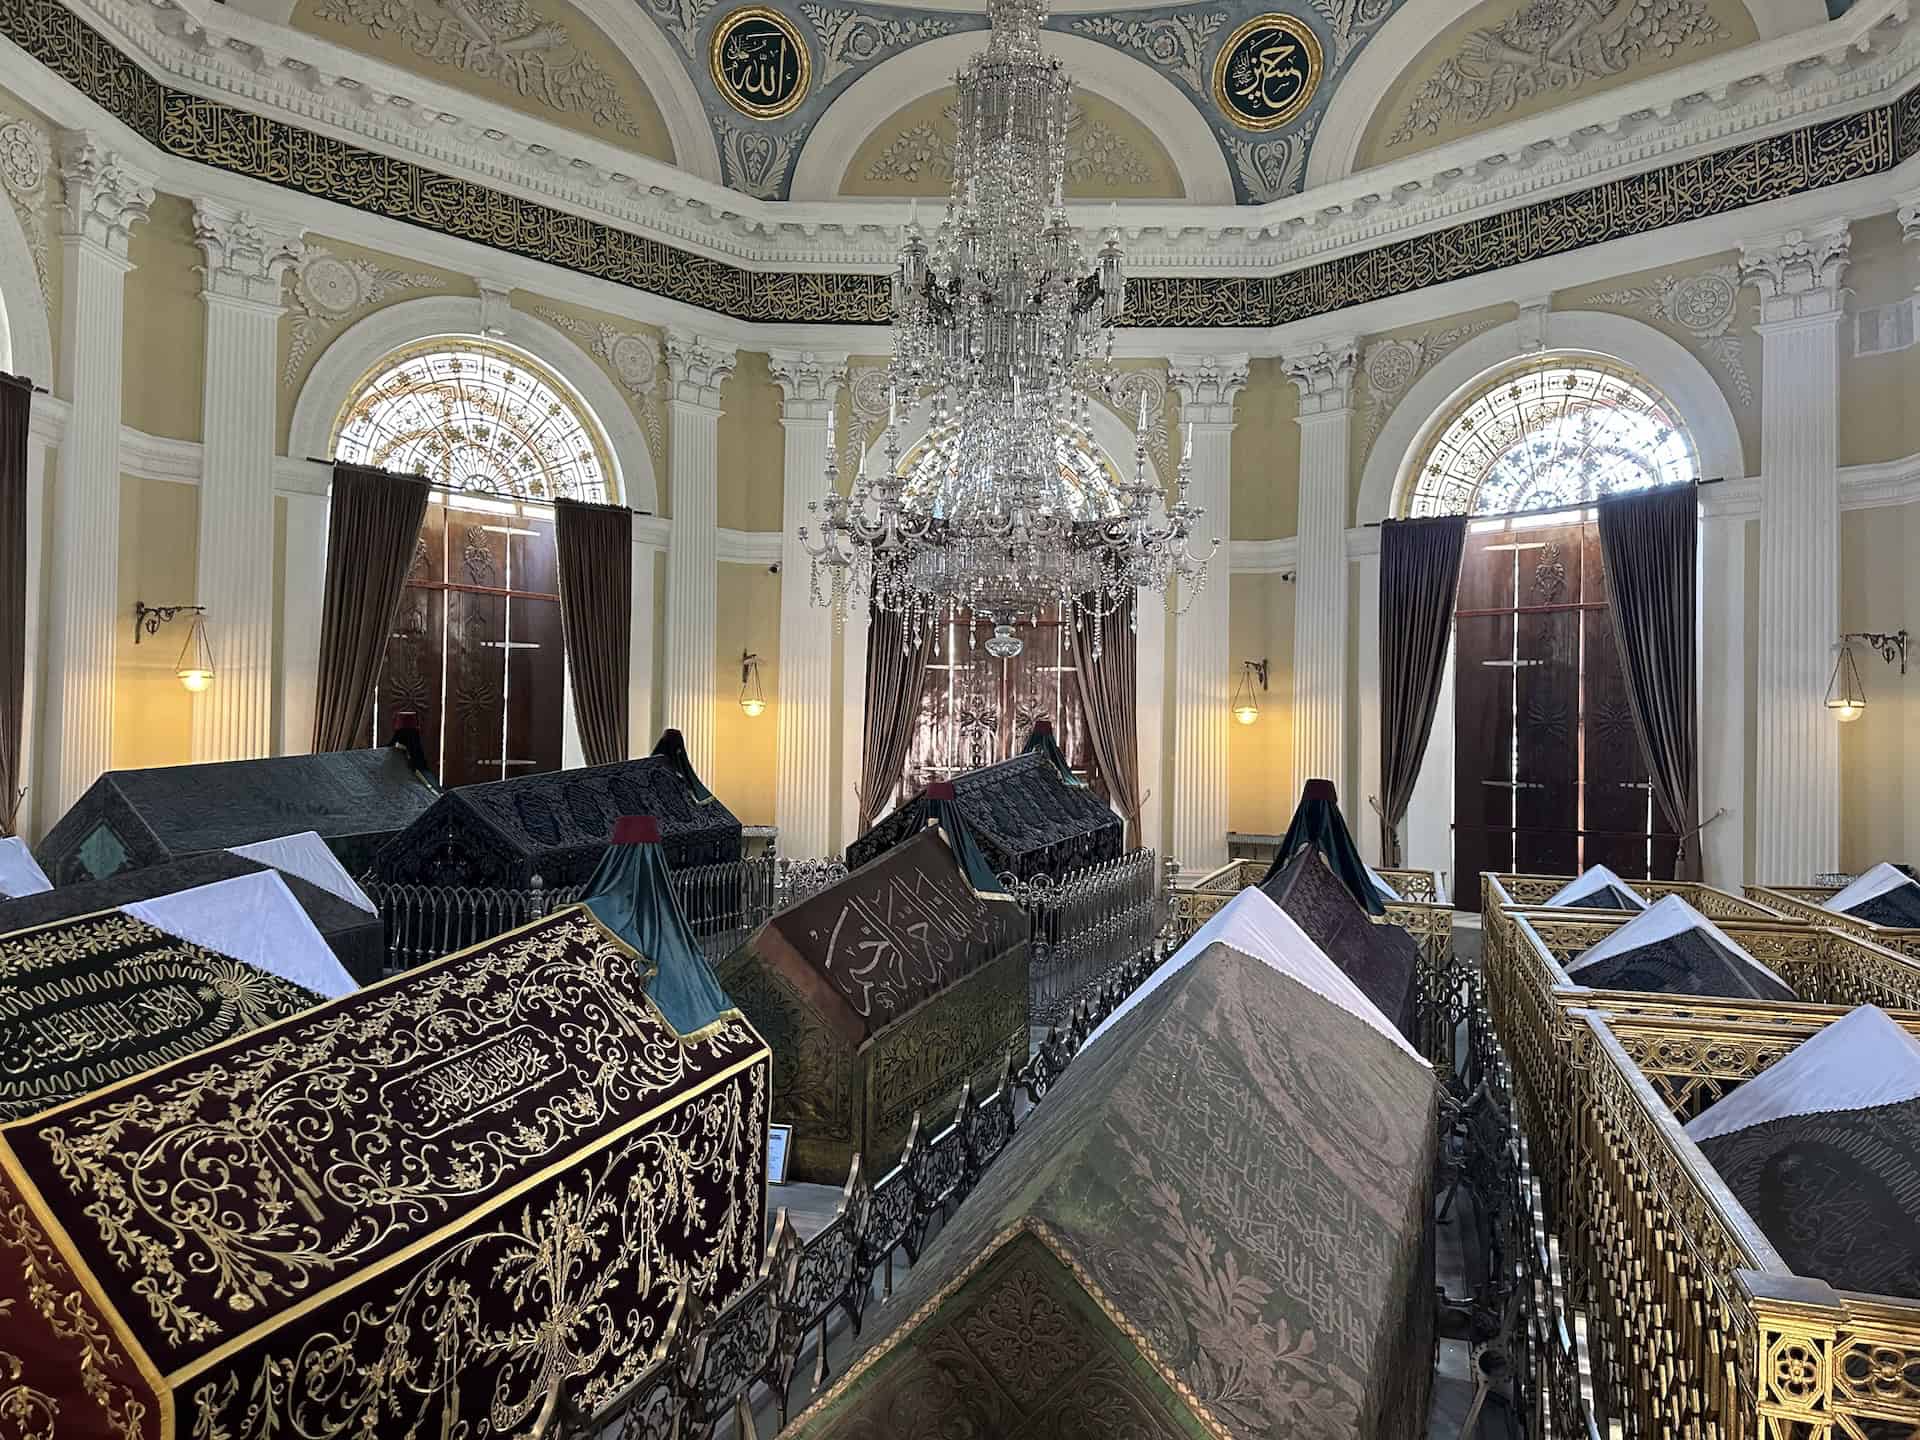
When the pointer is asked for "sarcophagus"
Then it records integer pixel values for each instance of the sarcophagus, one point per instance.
(1026, 819)
(1381, 959)
(1219, 1223)
(879, 996)
(92, 999)
(555, 826)
(408, 1212)
(355, 799)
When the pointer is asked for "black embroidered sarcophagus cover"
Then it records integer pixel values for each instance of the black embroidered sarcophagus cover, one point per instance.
(1382, 959)
(1672, 949)
(555, 826)
(1025, 818)
(1885, 895)
(355, 799)
(355, 935)
(1218, 1223)
(1597, 888)
(879, 996)
(1822, 1149)
(91, 999)
(412, 1211)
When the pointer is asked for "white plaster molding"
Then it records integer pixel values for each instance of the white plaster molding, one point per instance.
(1799, 273)
(26, 329)
(1208, 385)
(1866, 57)
(697, 367)
(1890, 482)
(356, 350)
(1664, 361)
(106, 193)
(809, 382)
(155, 457)
(747, 547)
(247, 256)
(653, 531)
(1263, 557)
(1324, 377)
(1136, 87)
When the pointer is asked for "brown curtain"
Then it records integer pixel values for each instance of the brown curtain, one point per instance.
(373, 523)
(1419, 578)
(1108, 699)
(594, 545)
(1648, 548)
(16, 404)
(896, 674)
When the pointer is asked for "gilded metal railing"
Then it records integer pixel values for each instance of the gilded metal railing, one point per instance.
(710, 1368)
(1807, 901)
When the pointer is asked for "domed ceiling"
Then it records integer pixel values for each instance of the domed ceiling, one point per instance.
(1213, 102)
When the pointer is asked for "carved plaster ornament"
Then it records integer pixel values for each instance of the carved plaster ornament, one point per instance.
(1129, 389)
(1270, 169)
(1704, 305)
(682, 19)
(504, 40)
(867, 402)
(1094, 152)
(755, 161)
(634, 359)
(1178, 43)
(853, 39)
(26, 160)
(1390, 368)
(1351, 21)
(1551, 45)
(327, 289)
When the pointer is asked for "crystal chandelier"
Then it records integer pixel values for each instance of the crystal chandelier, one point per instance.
(1003, 331)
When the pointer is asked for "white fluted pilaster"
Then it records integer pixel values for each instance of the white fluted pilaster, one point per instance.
(1324, 378)
(809, 383)
(247, 256)
(1207, 386)
(1799, 275)
(105, 198)
(696, 368)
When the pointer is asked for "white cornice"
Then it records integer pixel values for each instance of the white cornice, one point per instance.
(1263, 557)
(1866, 57)
(748, 547)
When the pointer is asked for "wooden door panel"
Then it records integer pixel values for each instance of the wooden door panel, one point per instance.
(1547, 718)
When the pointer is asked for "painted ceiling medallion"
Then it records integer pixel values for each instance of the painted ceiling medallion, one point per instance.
(760, 64)
(1267, 72)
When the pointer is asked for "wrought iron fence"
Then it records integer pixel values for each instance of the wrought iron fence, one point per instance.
(711, 1367)
(1088, 922)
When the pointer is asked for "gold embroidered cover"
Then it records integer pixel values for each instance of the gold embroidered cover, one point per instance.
(407, 1212)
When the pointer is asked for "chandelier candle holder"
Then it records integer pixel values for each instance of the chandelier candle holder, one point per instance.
(1003, 330)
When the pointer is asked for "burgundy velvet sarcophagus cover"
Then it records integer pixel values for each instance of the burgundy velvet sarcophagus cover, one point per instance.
(408, 1212)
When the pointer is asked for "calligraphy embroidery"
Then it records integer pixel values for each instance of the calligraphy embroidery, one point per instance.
(1267, 72)
(760, 64)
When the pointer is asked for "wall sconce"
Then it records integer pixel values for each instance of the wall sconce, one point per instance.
(196, 656)
(1846, 695)
(1246, 706)
(753, 699)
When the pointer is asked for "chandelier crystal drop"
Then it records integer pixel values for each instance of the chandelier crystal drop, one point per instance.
(1003, 335)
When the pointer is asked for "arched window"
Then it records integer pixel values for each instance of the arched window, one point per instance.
(1549, 776)
(476, 648)
(477, 417)
(1549, 435)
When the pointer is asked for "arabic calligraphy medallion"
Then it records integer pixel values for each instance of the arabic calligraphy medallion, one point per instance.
(760, 63)
(1267, 72)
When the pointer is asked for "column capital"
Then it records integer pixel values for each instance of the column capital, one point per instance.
(809, 382)
(1324, 376)
(1800, 274)
(1909, 217)
(247, 253)
(697, 366)
(1207, 385)
(106, 195)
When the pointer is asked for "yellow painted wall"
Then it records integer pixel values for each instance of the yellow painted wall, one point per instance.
(406, 33)
(1878, 419)
(1260, 755)
(746, 748)
(1535, 88)
(1109, 154)
(752, 447)
(313, 322)
(166, 324)
(1880, 752)
(1266, 455)
(159, 549)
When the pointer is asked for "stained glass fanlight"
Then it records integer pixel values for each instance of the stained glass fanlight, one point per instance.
(1549, 435)
(475, 417)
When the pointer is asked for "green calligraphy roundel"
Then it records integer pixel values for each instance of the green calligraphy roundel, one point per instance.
(760, 63)
(1267, 71)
